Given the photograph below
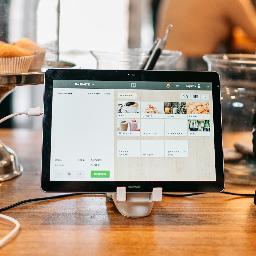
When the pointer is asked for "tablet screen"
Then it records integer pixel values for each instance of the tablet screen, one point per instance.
(132, 131)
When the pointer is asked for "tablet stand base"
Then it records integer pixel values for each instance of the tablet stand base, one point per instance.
(135, 205)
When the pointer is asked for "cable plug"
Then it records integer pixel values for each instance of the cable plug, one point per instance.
(31, 112)
(35, 111)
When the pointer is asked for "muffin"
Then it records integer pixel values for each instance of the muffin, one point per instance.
(13, 59)
(38, 52)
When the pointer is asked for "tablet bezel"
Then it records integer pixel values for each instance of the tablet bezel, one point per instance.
(131, 186)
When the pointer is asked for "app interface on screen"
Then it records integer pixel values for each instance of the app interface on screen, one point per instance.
(143, 131)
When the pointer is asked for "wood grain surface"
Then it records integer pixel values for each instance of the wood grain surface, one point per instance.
(209, 224)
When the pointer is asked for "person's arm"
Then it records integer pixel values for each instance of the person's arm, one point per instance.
(162, 18)
(242, 13)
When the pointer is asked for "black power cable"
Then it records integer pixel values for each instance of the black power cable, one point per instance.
(238, 194)
(183, 195)
(200, 193)
(31, 200)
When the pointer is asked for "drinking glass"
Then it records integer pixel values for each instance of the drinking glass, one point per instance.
(238, 95)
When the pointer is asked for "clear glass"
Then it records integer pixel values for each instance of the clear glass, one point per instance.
(238, 94)
(133, 59)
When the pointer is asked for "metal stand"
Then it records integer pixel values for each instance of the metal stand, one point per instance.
(9, 164)
(135, 205)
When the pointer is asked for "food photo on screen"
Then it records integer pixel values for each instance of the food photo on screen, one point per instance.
(175, 108)
(128, 107)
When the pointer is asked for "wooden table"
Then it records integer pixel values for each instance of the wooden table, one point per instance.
(210, 224)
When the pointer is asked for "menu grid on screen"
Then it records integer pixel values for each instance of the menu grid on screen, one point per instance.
(142, 131)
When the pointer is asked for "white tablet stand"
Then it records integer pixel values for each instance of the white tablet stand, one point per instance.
(135, 205)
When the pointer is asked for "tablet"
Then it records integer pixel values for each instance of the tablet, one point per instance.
(103, 129)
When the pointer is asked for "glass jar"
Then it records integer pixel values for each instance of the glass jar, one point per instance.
(238, 95)
(133, 59)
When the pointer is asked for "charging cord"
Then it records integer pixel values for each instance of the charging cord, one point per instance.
(11, 234)
(16, 229)
(30, 112)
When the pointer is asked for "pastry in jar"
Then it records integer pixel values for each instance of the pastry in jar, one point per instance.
(38, 52)
(13, 59)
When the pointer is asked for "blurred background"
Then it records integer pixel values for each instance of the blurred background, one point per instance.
(70, 30)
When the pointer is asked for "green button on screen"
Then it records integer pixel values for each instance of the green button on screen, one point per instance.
(100, 174)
